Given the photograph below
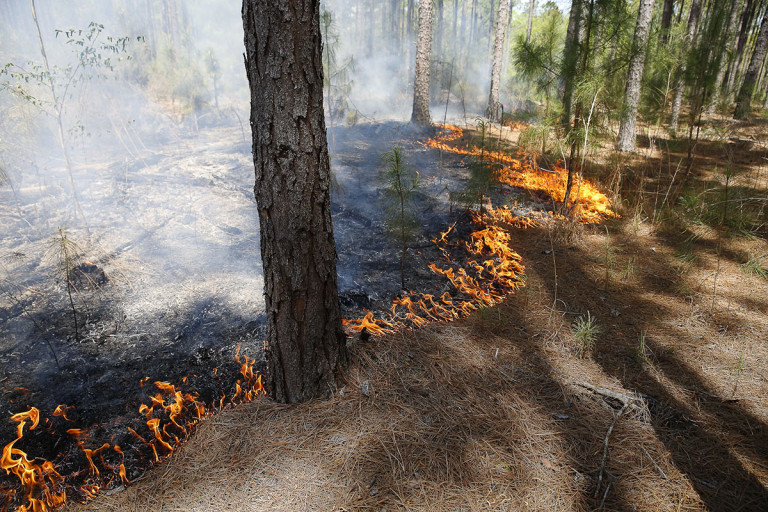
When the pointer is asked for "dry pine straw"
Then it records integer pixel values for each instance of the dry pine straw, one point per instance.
(487, 413)
(449, 424)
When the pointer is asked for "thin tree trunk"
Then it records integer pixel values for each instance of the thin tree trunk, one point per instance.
(571, 58)
(491, 26)
(498, 53)
(58, 107)
(693, 21)
(743, 102)
(420, 115)
(531, 9)
(369, 47)
(717, 90)
(635, 76)
(666, 20)
(745, 27)
(307, 352)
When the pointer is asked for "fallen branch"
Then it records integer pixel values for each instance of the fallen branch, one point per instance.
(605, 453)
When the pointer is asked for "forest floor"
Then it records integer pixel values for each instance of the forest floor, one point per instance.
(513, 408)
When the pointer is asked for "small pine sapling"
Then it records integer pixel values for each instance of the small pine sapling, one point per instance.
(66, 253)
(400, 183)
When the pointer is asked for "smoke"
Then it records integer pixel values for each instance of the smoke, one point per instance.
(379, 38)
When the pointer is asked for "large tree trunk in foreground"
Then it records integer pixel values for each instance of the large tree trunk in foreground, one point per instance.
(307, 346)
(744, 99)
(498, 52)
(420, 113)
(635, 76)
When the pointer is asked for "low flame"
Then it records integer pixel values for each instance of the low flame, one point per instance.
(493, 267)
(40, 483)
(170, 417)
(587, 202)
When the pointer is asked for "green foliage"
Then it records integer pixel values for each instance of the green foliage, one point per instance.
(585, 329)
(482, 174)
(335, 74)
(538, 59)
(755, 266)
(95, 55)
(400, 183)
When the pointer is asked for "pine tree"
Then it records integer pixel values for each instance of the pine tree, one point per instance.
(307, 346)
(498, 52)
(420, 115)
(743, 102)
(693, 22)
(635, 76)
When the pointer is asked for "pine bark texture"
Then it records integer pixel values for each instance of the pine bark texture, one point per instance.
(531, 9)
(306, 351)
(666, 20)
(494, 110)
(571, 57)
(693, 23)
(635, 76)
(420, 115)
(730, 40)
(743, 101)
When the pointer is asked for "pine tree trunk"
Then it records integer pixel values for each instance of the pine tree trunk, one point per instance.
(307, 352)
(693, 21)
(491, 25)
(531, 9)
(743, 101)
(635, 76)
(498, 52)
(666, 20)
(571, 58)
(420, 115)
(717, 89)
(439, 37)
(745, 30)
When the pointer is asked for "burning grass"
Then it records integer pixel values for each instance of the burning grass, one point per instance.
(171, 417)
(488, 270)
(481, 267)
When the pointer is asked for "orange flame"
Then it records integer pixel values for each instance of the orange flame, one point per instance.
(587, 203)
(61, 410)
(493, 272)
(40, 483)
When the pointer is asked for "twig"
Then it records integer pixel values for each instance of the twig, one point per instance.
(605, 453)
(605, 495)
(661, 471)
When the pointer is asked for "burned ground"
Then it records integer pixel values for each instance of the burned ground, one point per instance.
(508, 409)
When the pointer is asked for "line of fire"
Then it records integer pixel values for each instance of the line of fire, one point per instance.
(475, 258)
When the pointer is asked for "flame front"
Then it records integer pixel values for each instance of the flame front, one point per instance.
(493, 268)
(40, 483)
(588, 204)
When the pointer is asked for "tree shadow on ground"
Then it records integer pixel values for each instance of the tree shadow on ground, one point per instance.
(717, 443)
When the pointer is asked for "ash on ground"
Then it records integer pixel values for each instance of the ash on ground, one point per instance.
(166, 282)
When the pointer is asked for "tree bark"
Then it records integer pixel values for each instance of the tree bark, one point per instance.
(743, 101)
(531, 9)
(745, 29)
(306, 352)
(635, 76)
(420, 115)
(571, 57)
(693, 22)
(498, 52)
(666, 20)
(717, 90)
